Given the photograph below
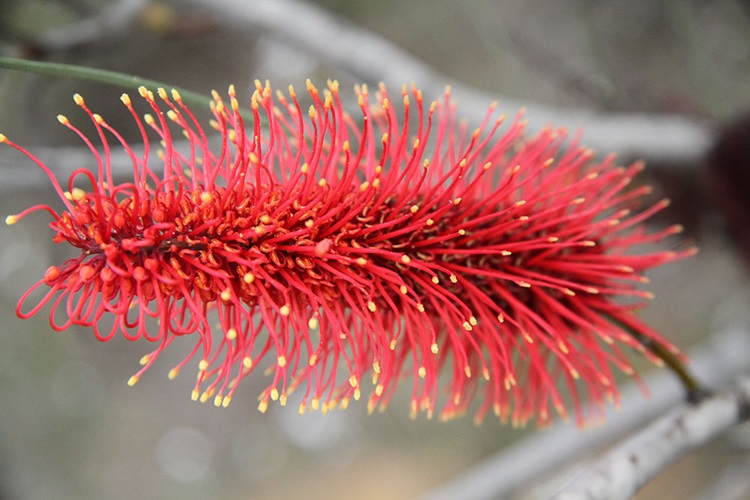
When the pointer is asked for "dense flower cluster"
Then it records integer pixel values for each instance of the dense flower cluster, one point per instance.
(344, 254)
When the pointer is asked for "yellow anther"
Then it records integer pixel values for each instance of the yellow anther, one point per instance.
(422, 372)
(353, 381)
(195, 395)
(281, 361)
(225, 402)
(453, 278)
(247, 362)
(313, 359)
(77, 194)
(11, 219)
(263, 406)
(206, 395)
(429, 222)
(78, 99)
(392, 345)
(275, 394)
(285, 310)
(62, 119)
(434, 348)
(144, 359)
(372, 306)
(420, 308)
(231, 334)
(132, 381)
(226, 295)
(403, 289)
(173, 373)
(203, 365)
(125, 98)
(405, 259)
(361, 261)
(248, 278)
(312, 323)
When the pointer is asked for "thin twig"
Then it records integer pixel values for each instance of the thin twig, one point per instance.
(115, 78)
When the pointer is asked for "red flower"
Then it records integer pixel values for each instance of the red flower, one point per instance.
(335, 249)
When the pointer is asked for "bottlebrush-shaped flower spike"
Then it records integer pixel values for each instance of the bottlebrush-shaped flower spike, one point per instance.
(344, 254)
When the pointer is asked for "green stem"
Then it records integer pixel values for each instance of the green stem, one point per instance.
(695, 390)
(115, 78)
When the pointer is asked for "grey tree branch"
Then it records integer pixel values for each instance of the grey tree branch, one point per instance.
(624, 470)
(716, 365)
(668, 139)
(112, 20)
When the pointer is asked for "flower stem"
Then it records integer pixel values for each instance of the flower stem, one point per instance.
(98, 75)
(696, 392)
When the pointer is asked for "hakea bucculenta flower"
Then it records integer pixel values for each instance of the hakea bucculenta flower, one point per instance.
(345, 254)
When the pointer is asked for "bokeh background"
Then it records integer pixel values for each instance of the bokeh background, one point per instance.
(69, 425)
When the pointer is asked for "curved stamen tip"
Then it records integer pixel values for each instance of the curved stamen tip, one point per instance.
(11, 219)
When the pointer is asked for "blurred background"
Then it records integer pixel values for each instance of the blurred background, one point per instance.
(69, 425)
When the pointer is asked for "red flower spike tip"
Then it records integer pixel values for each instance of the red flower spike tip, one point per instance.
(344, 254)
